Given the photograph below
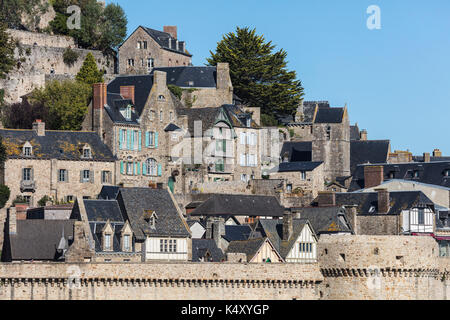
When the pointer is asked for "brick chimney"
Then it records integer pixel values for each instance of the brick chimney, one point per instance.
(437, 153)
(363, 135)
(127, 92)
(352, 216)
(172, 30)
(383, 200)
(327, 199)
(426, 157)
(99, 95)
(288, 228)
(373, 176)
(39, 127)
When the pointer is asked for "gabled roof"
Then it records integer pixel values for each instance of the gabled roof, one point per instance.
(135, 202)
(329, 115)
(208, 117)
(61, 145)
(236, 233)
(297, 151)
(238, 116)
(368, 151)
(298, 166)
(326, 219)
(115, 103)
(200, 248)
(249, 247)
(39, 239)
(429, 173)
(367, 202)
(103, 210)
(239, 205)
(109, 192)
(97, 232)
(163, 38)
(190, 76)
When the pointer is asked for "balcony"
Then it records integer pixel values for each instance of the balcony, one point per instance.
(27, 185)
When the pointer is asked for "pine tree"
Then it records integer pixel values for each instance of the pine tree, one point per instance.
(259, 75)
(7, 46)
(89, 73)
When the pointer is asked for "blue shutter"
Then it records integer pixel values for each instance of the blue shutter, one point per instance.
(134, 168)
(147, 138)
(120, 139)
(138, 168)
(128, 139)
(159, 170)
(156, 139)
(144, 168)
(132, 140)
(140, 141)
(121, 167)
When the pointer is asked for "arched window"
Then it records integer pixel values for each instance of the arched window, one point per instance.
(152, 167)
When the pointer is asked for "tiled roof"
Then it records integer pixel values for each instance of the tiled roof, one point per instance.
(61, 145)
(329, 115)
(236, 233)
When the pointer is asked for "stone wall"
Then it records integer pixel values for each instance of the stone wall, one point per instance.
(41, 39)
(161, 281)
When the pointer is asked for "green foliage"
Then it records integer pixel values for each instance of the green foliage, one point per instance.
(70, 57)
(89, 73)
(43, 201)
(22, 13)
(4, 195)
(19, 199)
(177, 91)
(101, 28)
(268, 120)
(7, 46)
(291, 133)
(259, 75)
(67, 103)
(2, 152)
(21, 115)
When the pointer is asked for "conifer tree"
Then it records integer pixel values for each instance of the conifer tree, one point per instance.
(259, 75)
(7, 46)
(89, 73)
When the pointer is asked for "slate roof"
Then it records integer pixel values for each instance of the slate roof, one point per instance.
(399, 200)
(39, 239)
(298, 166)
(432, 159)
(239, 205)
(237, 233)
(109, 193)
(238, 116)
(201, 246)
(429, 173)
(114, 103)
(207, 116)
(190, 76)
(329, 115)
(61, 145)
(369, 151)
(134, 203)
(354, 133)
(103, 210)
(172, 127)
(96, 231)
(325, 220)
(273, 229)
(250, 247)
(309, 108)
(163, 38)
(297, 151)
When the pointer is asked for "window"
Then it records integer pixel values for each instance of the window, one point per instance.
(244, 178)
(249, 122)
(129, 168)
(242, 161)
(62, 176)
(136, 140)
(86, 175)
(128, 113)
(126, 242)
(152, 167)
(151, 138)
(160, 116)
(27, 151)
(305, 247)
(69, 199)
(87, 153)
(421, 216)
(107, 242)
(168, 245)
(27, 199)
(447, 173)
(289, 188)
(221, 145)
(170, 115)
(139, 45)
(416, 174)
(220, 167)
(130, 62)
(242, 138)
(150, 63)
(161, 98)
(27, 174)
(303, 175)
(106, 177)
(145, 44)
(328, 133)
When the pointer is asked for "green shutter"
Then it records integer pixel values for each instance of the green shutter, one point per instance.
(147, 139)
(156, 139)
(120, 139)
(140, 141)
(138, 168)
(159, 170)
(121, 167)
(144, 168)
(224, 145)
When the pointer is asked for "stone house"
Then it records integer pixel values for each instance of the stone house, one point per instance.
(147, 48)
(256, 250)
(57, 164)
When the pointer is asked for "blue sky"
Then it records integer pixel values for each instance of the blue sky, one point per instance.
(396, 80)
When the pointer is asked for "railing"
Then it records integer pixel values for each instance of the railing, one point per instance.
(27, 185)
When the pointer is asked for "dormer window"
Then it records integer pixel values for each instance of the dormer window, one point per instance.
(128, 113)
(27, 149)
(151, 217)
(87, 154)
(447, 172)
(249, 122)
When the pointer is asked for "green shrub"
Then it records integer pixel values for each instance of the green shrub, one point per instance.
(70, 57)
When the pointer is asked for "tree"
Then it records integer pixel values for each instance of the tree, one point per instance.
(4, 195)
(259, 75)
(89, 73)
(21, 115)
(7, 46)
(67, 103)
(113, 28)
(19, 14)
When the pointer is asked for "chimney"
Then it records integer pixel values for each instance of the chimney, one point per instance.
(288, 227)
(218, 230)
(160, 79)
(363, 135)
(127, 92)
(99, 95)
(223, 76)
(437, 153)
(12, 220)
(383, 200)
(352, 217)
(39, 127)
(327, 199)
(426, 157)
(172, 30)
(373, 176)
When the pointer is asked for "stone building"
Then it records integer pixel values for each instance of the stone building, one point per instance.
(57, 164)
(147, 48)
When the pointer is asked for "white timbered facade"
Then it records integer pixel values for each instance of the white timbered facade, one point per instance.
(166, 249)
(304, 249)
(418, 220)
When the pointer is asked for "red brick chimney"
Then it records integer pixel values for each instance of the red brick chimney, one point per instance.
(99, 99)
(327, 199)
(383, 200)
(172, 30)
(127, 92)
(373, 176)
(39, 127)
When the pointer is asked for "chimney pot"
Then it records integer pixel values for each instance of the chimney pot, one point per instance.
(172, 30)
(363, 135)
(373, 176)
(127, 92)
(437, 153)
(426, 157)
(39, 127)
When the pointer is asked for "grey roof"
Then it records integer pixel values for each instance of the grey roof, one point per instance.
(432, 159)
(109, 192)
(39, 239)
(172, 127)
(103, 210)
(250, 247)
(298, 166)
(203, 247)
(326, 219)
(368, 151)
(207, 116)
(236, 233)
(135, 202)
(329, 115)
(297, 151)
(273, 229)
(239, 205)
(429, 173)
(190, 76)
(61, 145)
(399, 201)
(114, 103)
(163, 38)
(96, 231)
(354, 132)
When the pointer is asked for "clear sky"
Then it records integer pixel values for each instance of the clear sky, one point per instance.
(395, 80)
